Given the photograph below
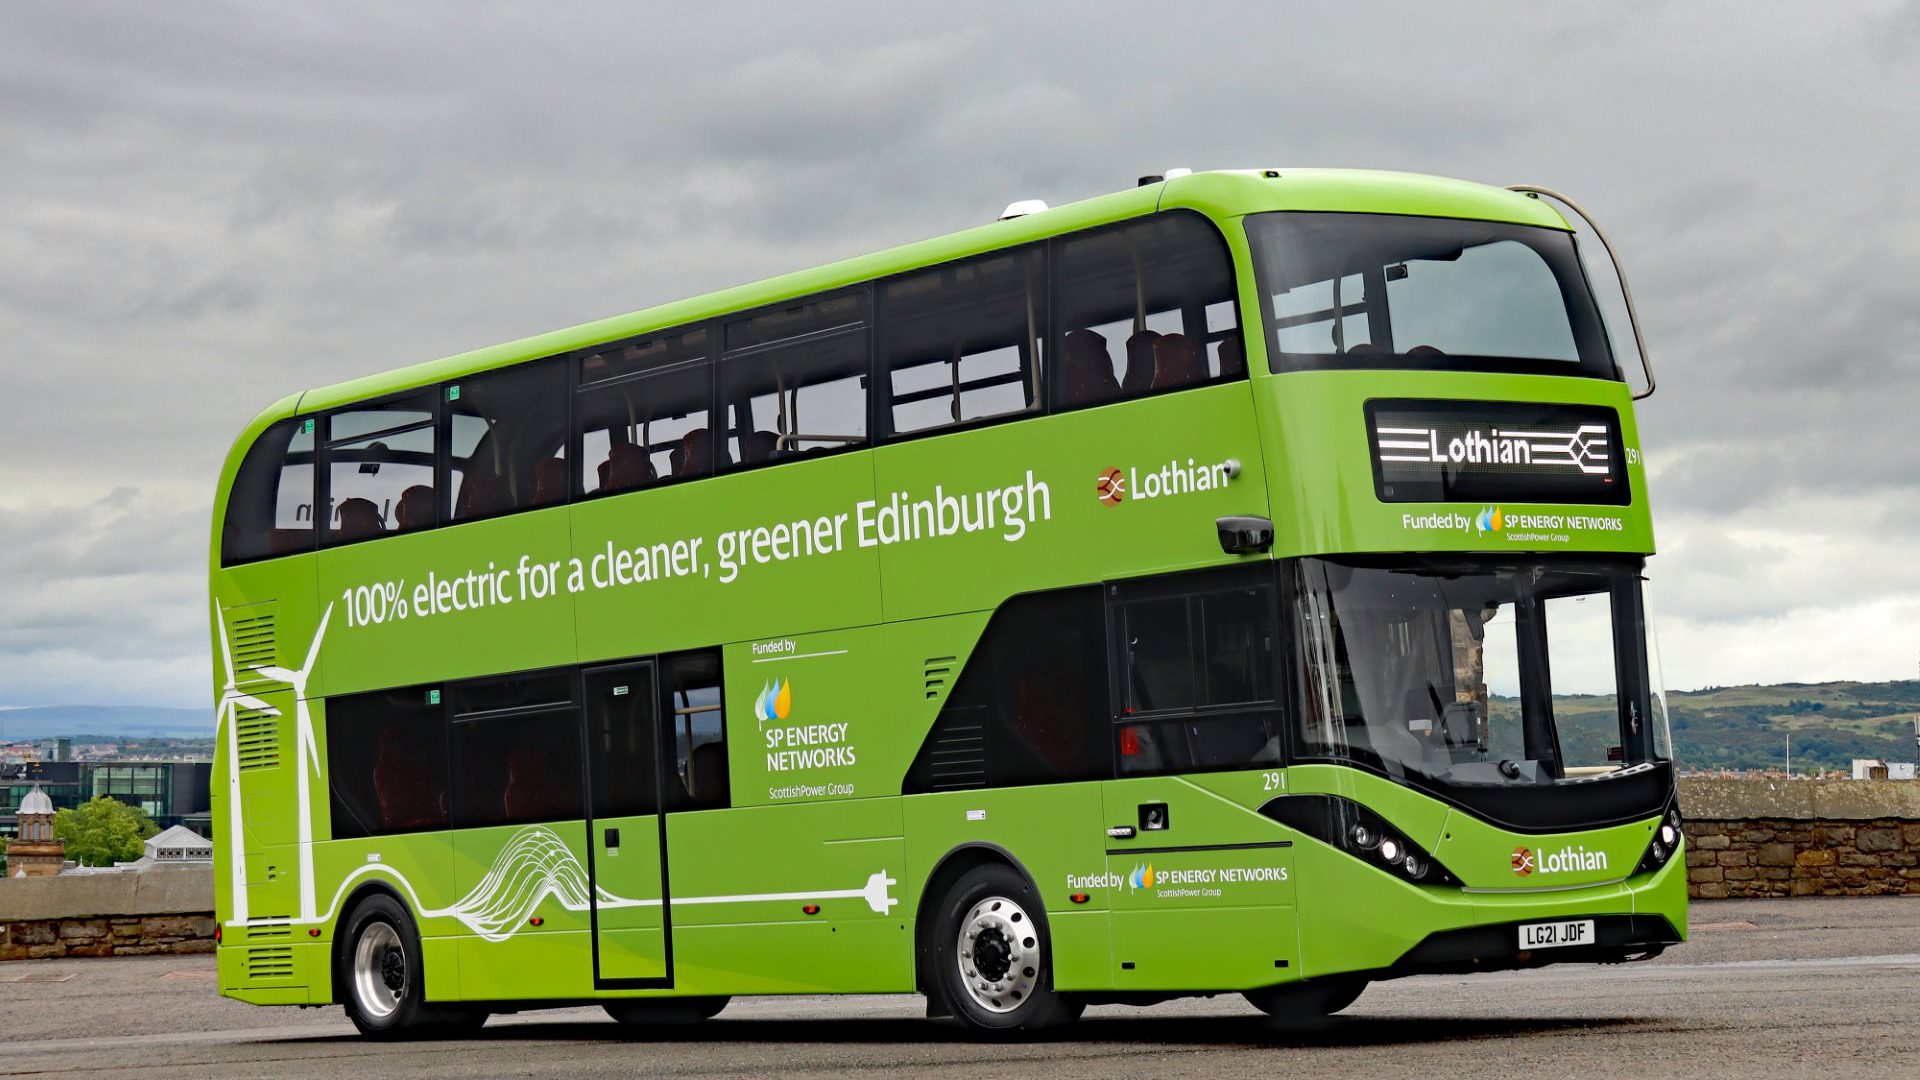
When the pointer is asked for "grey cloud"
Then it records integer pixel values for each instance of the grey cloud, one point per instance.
(212, 205)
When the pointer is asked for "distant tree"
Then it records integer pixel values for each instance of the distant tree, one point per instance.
(103, 831)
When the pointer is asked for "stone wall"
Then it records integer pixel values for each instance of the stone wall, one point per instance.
(125, 914)
(1773, 837)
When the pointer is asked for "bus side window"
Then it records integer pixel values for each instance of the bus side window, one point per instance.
(643, 413)
(516, 751)
(963, 340)
(270, 509)
(386, 762)
(695, 732)
(1145, 306)
(793, 380)
(380, 469)
(502, 428)
(1198, 677)
(1030, 705)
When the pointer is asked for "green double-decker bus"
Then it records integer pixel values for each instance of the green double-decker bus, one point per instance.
(1228, 585)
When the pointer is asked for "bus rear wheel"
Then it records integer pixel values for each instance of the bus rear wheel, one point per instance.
(380, 973)
(665, 1011)
(1307, 1002)
(992, 960)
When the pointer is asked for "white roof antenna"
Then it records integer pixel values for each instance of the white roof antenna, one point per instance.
(1174, 174)
(1023, 207)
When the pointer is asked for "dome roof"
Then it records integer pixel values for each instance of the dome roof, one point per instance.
(36, 802)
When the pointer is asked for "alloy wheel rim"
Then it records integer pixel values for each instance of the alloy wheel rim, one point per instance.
(379, 970)
(998, 954)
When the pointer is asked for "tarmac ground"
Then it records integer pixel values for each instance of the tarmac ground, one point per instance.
(1826, 987)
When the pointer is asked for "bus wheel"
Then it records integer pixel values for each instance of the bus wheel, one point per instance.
(664, 1011)
(1307, 1002)
(380, 971)
(991, 954)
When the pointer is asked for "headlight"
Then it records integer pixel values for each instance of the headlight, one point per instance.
(1667, 838)
(1391, 851)
(1363, 838)
(1413, 866)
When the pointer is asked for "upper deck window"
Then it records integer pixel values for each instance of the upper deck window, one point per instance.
(963, 340)
(794, 380)
(380, 469)
(1145, 306)
(1381, 290)
(506, 440)
(642, 413)
(270, 511)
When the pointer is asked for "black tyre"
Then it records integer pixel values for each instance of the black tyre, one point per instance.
(665, 1011)
(992, 961)
(1308, 1002)
(379, 974)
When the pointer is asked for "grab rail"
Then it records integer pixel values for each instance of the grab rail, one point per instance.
(1619, 272)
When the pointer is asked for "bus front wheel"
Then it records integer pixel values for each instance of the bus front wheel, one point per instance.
(380, 972)
(991, 957)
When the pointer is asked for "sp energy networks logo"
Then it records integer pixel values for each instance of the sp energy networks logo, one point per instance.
(1571, 859)
(774, 703)
(1490, 520)
(1111, 487)
(1141, 878)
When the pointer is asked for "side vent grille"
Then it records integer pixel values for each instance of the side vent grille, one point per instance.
(251, 636)
(259, 735)
(956, 758)
(281, 927)
(939, 674)
(271, 963)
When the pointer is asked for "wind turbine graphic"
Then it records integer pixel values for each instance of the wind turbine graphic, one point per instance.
(306, 760)
(534, 864)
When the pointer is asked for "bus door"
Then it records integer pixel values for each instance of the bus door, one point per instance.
(632, 930)
(1203, 891)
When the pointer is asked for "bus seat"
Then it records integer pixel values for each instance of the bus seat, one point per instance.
(414, 510)
(707, 771)
(529, 791)
(550, 482)
(627, 467)
(1177, 362)
(696, 453)
(758, 447)
(397, 769)
(1139, 377)
(359, 520)
(1233, 356)
(288, 541)
(484, 494)
(1089, 369)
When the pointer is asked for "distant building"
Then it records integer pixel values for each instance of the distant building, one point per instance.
(177, 846)
(34, 852)
(169, 792)
(1876, 769)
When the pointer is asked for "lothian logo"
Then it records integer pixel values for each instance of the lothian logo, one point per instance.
(1522, 861)
(1111, 487)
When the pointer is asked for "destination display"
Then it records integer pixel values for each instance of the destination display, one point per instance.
(1486, 451)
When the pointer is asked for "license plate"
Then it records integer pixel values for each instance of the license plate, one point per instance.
(1554, 935)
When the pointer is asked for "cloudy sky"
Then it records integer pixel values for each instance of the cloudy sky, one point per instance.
(206, 206)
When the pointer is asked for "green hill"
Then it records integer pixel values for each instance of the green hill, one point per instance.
(1746, 727)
